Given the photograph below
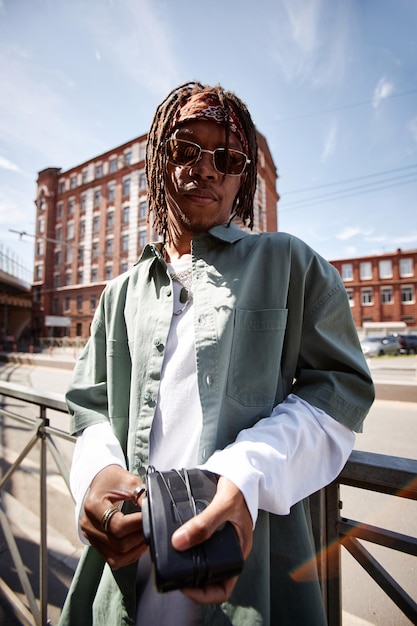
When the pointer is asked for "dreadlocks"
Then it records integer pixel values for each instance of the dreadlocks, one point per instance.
(155, 154)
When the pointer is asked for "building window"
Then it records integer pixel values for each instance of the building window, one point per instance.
(111, 192)
(68, 279)
(128, 158)
(57, 281)
(85, 176)
(41, 225)
(365, 270)
(113, 166)
(97, 197)
(110, 219)
(79, 304)
(82, 229)
(55, 306)
(94, 250)
(385, 269)
(83, 202)
(71, 206)
(58, 257)
(125, 243)
(39, 248)
(109, 247)
(93, 303)
(69, 255)
(366, 297)
(73, 182)
(142, 238)
(347, 271)
(79, 329)
(94, 275)
(406, 268)
(386, 295)
(142, 151)
(407, 294)
(58, 233)
(59, 209)
(67, 303)
(124, 267)
(349, 293)
(99, 171)
(61, 186)
(125, 217)
(38, 272)
(126, 187)
(109, 272)
(70, 231)
(143, 208)
(142, 180)
(80, 277)
(96, 223)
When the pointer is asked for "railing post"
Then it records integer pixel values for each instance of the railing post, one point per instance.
(43, 550)
(333, 552)
(324, 506)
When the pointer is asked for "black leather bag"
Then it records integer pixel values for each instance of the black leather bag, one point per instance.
(173, 497)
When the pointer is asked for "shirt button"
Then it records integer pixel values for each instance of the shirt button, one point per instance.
(158, 345)
(209, 380)
(201, 320)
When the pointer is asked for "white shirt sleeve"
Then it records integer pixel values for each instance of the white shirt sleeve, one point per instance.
(96, 448)
(285, 457)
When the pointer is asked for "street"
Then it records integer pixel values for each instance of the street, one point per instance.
(391, 428)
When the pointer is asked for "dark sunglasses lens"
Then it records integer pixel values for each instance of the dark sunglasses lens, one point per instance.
(229, 161)
(182, 152)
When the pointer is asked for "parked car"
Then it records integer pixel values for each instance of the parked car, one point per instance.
(378, 346)
(408, 344)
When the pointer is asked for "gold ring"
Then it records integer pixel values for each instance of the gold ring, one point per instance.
(107, 515)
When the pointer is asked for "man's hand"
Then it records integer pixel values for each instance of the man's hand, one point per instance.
(122, 543)
(227, 505)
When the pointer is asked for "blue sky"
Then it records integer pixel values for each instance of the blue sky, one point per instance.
(332, 84)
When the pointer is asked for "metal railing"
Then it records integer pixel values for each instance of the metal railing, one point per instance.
(41, 436)
(380, 473)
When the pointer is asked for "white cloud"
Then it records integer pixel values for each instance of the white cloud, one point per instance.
(382, 91)
(329, 144)
(5, 164)
(352, 231)
(348, 233)
(304, 45)
(412, 126)
(141, 34)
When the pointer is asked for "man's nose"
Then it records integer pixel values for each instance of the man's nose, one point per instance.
(204, 167)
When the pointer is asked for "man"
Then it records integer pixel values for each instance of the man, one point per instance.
(222, 349)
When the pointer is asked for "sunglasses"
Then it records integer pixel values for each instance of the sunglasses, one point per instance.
(187, 153)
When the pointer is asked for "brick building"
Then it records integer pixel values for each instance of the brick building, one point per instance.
(382, 289)
(91, 225)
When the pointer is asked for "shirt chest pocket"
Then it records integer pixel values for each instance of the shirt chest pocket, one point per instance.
(255, 360)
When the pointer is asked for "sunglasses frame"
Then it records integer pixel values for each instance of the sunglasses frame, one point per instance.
(212, 152)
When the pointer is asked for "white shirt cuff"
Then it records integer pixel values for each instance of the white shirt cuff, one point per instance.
(285, 457)
(96, 448)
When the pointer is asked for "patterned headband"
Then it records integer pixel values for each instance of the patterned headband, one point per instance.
(206, 106)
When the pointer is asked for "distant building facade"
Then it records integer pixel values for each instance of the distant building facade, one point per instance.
(91, 225)
(382, 289)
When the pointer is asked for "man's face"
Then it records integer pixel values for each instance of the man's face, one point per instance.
(198, 196)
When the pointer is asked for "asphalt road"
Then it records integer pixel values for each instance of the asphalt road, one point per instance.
(391, 428)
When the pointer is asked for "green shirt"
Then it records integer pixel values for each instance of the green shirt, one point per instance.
(271, 317)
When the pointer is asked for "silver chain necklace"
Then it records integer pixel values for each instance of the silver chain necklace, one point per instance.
(185, 279)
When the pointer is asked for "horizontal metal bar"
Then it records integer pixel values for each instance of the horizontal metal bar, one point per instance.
(382, 473)
(381, 536)
(380, 575)
(49, 400)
